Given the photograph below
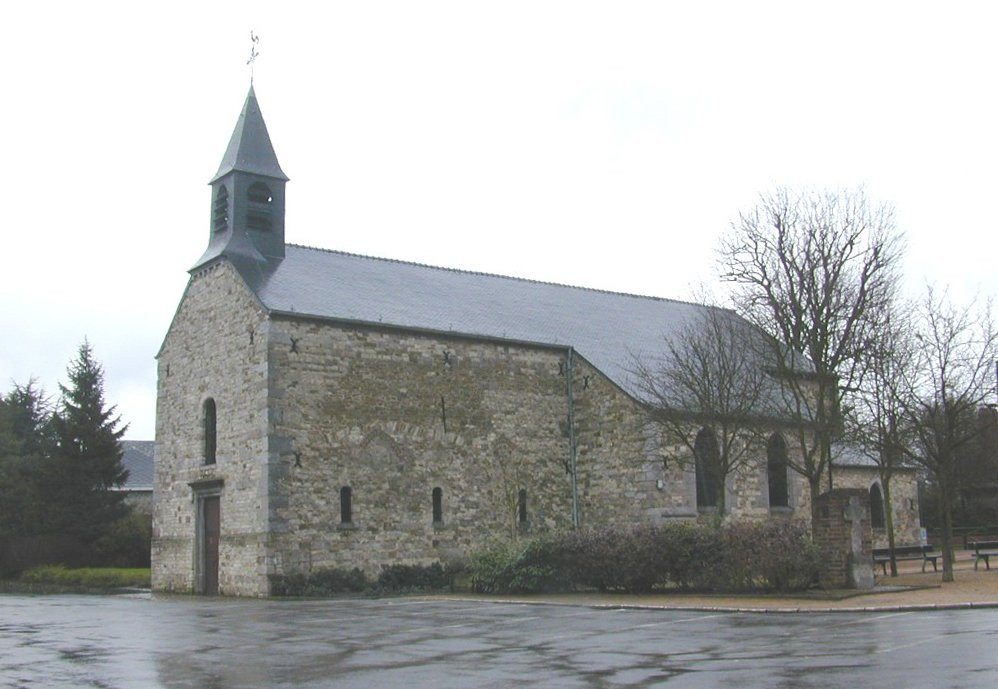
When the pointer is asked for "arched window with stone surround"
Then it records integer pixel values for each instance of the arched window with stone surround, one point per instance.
(707, 457)
(210, 430)
(776, 471)
(877, 520)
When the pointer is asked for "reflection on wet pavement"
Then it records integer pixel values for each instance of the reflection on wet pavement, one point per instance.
(172, 642)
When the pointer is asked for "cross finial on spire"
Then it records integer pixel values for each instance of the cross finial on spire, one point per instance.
(254, 40)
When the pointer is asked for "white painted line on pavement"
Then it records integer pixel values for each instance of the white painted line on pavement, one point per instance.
(867, 620)
(913, 643)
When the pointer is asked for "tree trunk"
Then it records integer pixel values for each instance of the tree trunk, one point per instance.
(889, 521)
(815, 484)
(722, 489)
(946, 514)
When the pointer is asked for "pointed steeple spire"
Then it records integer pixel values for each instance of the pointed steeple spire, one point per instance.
(247, 208)
(249, 148)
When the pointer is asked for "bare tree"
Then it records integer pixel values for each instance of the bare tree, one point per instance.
(509, 476)
(813, 270)
(875, 420)
(706, 394)
(957, 347)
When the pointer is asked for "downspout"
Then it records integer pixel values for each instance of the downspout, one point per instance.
(569, 374)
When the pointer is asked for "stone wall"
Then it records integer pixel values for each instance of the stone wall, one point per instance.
(393, 415)
(215, 348)
(904, 499)
(630, 473)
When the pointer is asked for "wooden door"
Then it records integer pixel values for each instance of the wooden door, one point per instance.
(211, 520)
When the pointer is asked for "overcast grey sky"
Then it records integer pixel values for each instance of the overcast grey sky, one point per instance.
(603, 144)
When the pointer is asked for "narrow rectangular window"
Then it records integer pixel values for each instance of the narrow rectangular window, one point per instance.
(438, 505)
(521, 505)
(210, 431)
(346, 505)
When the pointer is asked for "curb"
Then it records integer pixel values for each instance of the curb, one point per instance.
(919, 607)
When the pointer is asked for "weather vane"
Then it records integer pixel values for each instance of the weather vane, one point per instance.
(255, 40)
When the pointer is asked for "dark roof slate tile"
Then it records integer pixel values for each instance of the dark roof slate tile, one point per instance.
(609, 329)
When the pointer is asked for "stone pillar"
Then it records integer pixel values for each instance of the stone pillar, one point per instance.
(844, 537)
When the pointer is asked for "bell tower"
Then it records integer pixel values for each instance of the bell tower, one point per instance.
(247, 194)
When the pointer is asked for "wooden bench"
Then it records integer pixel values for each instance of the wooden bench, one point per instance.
(925, 553)
(983, 550)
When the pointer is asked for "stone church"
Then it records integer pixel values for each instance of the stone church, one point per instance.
(318, 409)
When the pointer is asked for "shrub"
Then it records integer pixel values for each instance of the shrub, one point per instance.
(127, 543)
(691, 553)
(706, 556)
(608, 558)
(19, 554)
(415, 578)
(515, 567)
(332, 581)
(785, 559)
(327, 581)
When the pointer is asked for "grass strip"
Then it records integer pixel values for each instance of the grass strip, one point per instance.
(98, 578)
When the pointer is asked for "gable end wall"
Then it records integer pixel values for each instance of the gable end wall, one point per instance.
(216, 348)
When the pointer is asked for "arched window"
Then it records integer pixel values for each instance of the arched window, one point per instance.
(876, 507)
(346, 505)
(220, 210)
(210, 431)
(258, 215)
(521, 506)
(776, 470)
(708, 460)
(438, 505)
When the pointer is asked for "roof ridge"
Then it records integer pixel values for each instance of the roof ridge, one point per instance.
(499, 275)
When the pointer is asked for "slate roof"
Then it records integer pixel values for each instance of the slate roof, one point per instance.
(138, 459)
(611, 330)
(607, 328)
(250, 149)
(850, 455)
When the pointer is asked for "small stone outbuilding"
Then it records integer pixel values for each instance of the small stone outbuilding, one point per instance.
(853, 469)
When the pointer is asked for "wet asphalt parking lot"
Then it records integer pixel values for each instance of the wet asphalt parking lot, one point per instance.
(145, 641)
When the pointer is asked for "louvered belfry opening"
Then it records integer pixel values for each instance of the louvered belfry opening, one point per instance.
(259, 214)
(220, 210)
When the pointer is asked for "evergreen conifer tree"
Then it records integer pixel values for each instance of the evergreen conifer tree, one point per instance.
(85, 461)
(24, 415)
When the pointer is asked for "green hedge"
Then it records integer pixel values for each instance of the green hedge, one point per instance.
(87, 577)
(701, 556)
